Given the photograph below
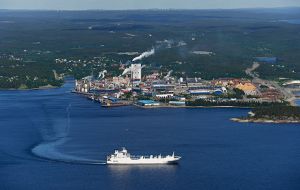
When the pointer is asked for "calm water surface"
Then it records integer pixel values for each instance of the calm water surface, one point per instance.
(298, 100)
(53, 139)
(292, 21)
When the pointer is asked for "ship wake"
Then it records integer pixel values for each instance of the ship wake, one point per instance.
(56, 135)
(49, 151)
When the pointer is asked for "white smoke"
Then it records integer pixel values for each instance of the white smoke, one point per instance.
(127, 70)
(144, 55)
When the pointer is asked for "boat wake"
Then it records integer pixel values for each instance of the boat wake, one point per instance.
(49, 151)
(56, 135)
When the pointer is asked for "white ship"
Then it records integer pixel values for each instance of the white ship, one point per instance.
(123, 157)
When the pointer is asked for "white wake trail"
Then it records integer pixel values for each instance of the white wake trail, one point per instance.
(49, 149)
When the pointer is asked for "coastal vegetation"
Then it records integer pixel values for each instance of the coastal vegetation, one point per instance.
(20, 75)
(272, 114)
(290, 113)
(235, 93)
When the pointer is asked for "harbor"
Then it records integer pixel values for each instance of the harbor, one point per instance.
(155, 90)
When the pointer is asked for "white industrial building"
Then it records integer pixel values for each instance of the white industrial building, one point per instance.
(136, 72)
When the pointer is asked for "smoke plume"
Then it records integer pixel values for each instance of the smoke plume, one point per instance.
(144, 55)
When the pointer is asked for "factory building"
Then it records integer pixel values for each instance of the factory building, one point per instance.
(136, 72)
(147, 103)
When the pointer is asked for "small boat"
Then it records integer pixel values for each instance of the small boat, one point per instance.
(123, 157)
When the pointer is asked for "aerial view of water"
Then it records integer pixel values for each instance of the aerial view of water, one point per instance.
(298, 99)
(54, 139)
(292, 21)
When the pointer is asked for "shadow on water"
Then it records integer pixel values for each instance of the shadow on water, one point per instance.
(124, 170)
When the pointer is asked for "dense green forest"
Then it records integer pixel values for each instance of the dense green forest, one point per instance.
(277, 113)
(203, 43)
(20, 75)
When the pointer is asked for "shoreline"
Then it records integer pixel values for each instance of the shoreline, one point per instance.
(263, 121)
(295, 97)
(46, 87)
(170, 106)
(292, 101)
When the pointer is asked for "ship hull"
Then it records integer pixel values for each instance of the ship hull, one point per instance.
(143, 162)
(124, 158)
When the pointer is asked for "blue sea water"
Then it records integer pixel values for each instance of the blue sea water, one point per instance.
(298, 102)
(53, 139)
(292, 21)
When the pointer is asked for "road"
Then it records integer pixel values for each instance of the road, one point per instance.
(288, 94)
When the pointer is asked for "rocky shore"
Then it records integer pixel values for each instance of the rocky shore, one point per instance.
(249, 120)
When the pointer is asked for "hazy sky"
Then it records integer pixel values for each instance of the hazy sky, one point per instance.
(143, 4)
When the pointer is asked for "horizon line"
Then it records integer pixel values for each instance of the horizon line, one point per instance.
(150, 9)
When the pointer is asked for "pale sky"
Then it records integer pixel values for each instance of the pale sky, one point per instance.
(143, 4)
